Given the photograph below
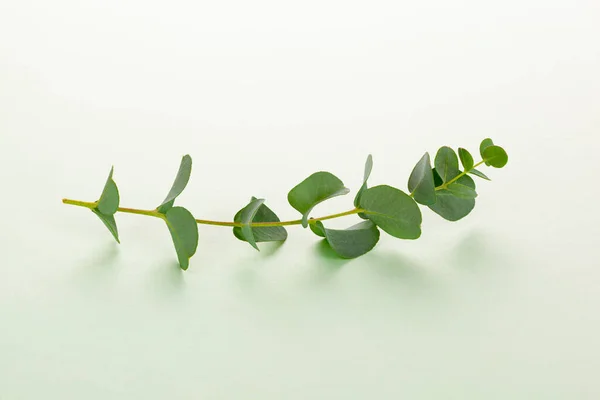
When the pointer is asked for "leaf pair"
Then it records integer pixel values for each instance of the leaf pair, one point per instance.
(320, 186)
(383, 207)
(469, 164)
(108, 204)
(455, 202)
(455, 198)
(257, 211)
(181, 223)
(493, 155)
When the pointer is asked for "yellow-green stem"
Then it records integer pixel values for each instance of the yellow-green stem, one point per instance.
(154, 213)
(457, 177)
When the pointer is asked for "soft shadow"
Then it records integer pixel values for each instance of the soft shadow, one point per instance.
(324, 250)
(98, 268)
(397, 267)
(470, 252)
(269, 248)
(166, 279)
(327, 264)
(477, 251)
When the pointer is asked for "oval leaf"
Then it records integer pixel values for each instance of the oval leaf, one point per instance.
(485, 143)
(420, 183)
(495, 156)
(367, 174)
(264, 234)
(184, 232)
(315, 189)
(181, 181)
(109, 200)
(109, 222)
(352, 242)
(450, 207)
(466, 159)
(446, 163)
(479, 174)
(393, 211)
(462, 191)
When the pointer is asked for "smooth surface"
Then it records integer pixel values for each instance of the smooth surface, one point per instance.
(501, 305)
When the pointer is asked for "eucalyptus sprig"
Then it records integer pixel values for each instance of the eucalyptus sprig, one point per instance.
(444, 188)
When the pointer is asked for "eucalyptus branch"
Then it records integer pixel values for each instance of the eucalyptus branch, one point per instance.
(444, 188)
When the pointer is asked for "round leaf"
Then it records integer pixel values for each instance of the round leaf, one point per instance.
(485, 143)
(450, 207)
(184, 232)
(315, 189)
(446, 163)
(420, 182)
(181, 181)
(393, 211)
(495, 156)
(352, 242)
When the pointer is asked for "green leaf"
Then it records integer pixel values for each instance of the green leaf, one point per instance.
(184, 232)
(485, 143)
(420, 183)
(367, 174)
(246, 218)
(466, 159)
(479, 174)
(462, 191)
(108, 204)
(495, 156)
(181, 181)
(393, 211)
(109, 222)
(264, 234)
(109, 200)
(315, 189)
(446, 163)
(352, 242)
(317, 228)
(450, 207)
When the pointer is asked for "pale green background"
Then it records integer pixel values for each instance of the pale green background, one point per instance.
(501, 305)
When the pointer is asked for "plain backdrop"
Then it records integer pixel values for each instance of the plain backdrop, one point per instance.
(500, 305)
